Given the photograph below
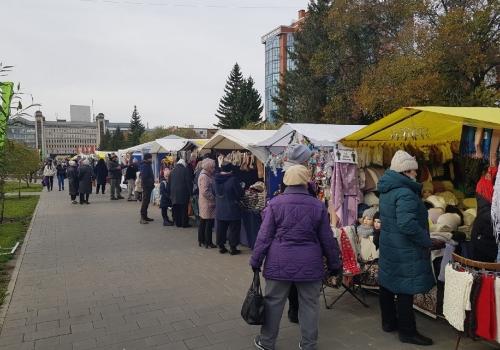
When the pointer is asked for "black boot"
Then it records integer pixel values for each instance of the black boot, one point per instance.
(211, 245)
(222, 249)
(167, 222)
(234, 251)
(293, 316)
(417, 339)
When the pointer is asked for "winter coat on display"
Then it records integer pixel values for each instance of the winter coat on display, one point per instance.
(165, 201)
(72, 173)
(61, 171)
(227, 190)
(147, 176)
(180, 185)
(294, 237)
(404, 260)
(131, 173)
(206, 199)
(101, 172)
(113, 171)
(482, 236)
(85, 176)
(49, 171)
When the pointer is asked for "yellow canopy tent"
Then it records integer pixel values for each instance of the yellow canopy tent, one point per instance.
(443, 123)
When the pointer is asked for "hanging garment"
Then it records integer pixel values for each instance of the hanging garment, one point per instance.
(447, 257)
(348, 257)
(345, 193)
(495, 210)
(497, 304)
(456, 296)
(467, 141)
(486, 144)
(470, 324)
(486, 310)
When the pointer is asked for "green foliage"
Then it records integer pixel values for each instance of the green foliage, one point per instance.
(162, 131)
(117, 140)
(19, 161)
(105, 142)
(241, 103)
(22, 208)
(14, 187)
(136, 129)
(262, 125)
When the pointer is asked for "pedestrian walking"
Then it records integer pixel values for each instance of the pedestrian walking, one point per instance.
(85, 176)
(228, 192)
(115, 176)
(49, 171)
(293, 238)
(61, 175)
(206, 203)
(148, 184)
(130, 177)
(405, 267)
(73, 182)
(101, 173)
(180, 187)
(165, 201)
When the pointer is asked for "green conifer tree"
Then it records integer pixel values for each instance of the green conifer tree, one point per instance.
(105, 140)
(250, 105)
(117, 141)
(228, 105)
(136, 129)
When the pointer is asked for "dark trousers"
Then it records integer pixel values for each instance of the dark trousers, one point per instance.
(103, 188)
(84, 197)
(50, 182)
(73, 197)
(180, 214)
(146, 198)
(234, 236)
(293, 301)
(399, 313)
(164, 213)
(205, 231)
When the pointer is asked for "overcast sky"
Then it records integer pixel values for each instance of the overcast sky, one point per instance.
(171, 58)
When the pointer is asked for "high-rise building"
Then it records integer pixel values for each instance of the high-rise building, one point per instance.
(277, 42)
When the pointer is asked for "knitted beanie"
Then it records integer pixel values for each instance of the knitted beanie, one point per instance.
(296, 175)
(434, 214)
(298, 153)
(469, 219)
(71, 162)
(437, 202)
(427, 186)
(450, 220)
(370, 199)
(470, 203)
(402, 162)
(369, 212)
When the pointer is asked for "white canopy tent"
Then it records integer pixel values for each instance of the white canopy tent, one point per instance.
(321, 135)
(235, 139)
(172, 145)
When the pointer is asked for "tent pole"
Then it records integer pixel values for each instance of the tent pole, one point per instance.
(388, 126)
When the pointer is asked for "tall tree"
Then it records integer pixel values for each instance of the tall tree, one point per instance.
(228, 105)
(161, 131)
(250, 105)
(105, 140)
(117, 140)
(137, 128)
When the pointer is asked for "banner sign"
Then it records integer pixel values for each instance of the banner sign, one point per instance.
(346, 155)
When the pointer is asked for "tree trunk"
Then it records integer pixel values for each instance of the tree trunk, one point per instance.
(2, 199)
(19, 188)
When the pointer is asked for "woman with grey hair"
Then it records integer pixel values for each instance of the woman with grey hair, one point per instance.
(85, 177)
(72, 174)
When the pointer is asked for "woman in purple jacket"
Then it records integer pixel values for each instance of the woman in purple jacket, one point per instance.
(293, 239)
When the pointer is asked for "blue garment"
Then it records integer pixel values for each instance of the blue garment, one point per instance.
(405, 260)
(227, 190)
(147, 176)
(165, 201)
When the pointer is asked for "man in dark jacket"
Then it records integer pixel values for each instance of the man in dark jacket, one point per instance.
(180, 187)
(115, 177)
(130, 177)
(148, 184)
(101, 173)
(227, 191)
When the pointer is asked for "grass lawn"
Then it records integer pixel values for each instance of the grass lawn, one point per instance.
(17, 217)
(12, 187)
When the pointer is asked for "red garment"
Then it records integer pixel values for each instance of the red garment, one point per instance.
(348, 258)
(486, 310)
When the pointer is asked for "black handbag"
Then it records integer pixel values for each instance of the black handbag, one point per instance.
(253, 310)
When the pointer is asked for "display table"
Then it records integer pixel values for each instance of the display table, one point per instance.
(250, 225)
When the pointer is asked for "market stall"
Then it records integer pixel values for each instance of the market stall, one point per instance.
(168, 150)
(239, 147)
(455, 147)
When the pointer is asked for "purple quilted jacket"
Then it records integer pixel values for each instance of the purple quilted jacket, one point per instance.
(294, 237)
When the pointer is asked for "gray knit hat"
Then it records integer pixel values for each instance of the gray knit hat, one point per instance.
(298, 153)
(369, 212)
(402, 161)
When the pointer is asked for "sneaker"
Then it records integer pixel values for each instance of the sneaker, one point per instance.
(144, 221)
(234, 251)
(223, 250)
(417, 339)
(113, 198)
(149, 219)
(300, 345)
(120, 197)
(258, 345)
(167, 223)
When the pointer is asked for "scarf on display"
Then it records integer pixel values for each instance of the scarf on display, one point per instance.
(348, 257)
(495, 209)
(365, 231)
(485, 185)
(486, 310)
(345, 193)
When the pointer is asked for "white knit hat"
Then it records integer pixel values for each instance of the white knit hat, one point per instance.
(449, 219)
(402, 162)
(437, 202)
(370, 199)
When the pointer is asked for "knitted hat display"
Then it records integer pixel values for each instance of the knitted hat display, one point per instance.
(469, 219)
(434, 214)
(450, 220)
(296, 175)
(369, 212)
(448, 197)
(472, 211)
(437, 202)
(427, 186)
(470, 203)
(448, 185)
(403, 161)
(370, 199)
(298, 153)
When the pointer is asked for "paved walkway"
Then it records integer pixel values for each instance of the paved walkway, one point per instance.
(92, 277)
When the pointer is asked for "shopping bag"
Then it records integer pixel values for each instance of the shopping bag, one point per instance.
(253, 310)
(44, 181)
(190, 210)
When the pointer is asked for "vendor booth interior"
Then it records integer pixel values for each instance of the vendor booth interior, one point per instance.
(457, 152)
